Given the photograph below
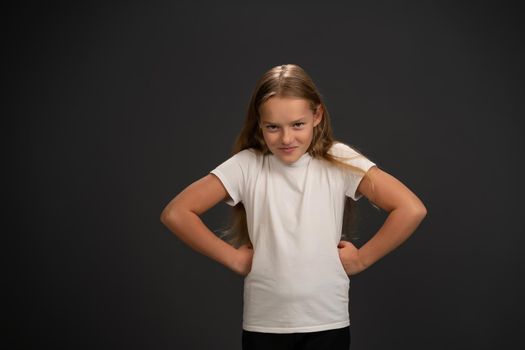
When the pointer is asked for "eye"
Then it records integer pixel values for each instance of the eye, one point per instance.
(300, 124)
(271, 127)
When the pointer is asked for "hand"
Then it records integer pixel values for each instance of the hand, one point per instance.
(349, 256)
(243, 260)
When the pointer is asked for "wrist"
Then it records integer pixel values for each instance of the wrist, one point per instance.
(362, 260)
(231, 257)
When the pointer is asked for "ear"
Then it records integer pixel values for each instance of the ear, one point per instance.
(318, 115)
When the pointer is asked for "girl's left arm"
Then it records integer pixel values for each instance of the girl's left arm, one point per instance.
(406, 211)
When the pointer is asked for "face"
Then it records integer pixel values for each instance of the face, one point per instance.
(287, 126)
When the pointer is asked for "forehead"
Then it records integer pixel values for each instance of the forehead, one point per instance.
(284, 108)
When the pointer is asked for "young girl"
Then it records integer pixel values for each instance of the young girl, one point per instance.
(290, 183)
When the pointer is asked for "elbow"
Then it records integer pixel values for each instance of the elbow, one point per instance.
(167, 216)
(421, 212)
(163, 216)
(173, 214)
(417, 211)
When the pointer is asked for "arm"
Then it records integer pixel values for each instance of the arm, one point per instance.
(405, 210)
(181, 216)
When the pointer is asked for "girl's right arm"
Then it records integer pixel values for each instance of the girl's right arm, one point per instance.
(181, 216)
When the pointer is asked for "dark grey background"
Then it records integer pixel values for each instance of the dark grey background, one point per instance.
(113, 108)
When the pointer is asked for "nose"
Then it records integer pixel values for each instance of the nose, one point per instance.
(286, 137)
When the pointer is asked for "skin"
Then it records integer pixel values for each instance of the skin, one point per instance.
(280, 129)
(288, 122)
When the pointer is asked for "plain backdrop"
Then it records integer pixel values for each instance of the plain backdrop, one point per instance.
(112, 108)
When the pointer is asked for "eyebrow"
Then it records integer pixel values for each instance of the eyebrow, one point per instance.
(293, 122)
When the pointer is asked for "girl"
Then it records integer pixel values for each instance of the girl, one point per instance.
(290, 184)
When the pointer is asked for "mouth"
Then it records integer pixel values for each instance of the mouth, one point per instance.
(287, 149)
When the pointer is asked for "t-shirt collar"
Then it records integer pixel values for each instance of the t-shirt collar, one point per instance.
(302, 161)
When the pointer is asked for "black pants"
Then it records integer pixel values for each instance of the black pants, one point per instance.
(333, 339)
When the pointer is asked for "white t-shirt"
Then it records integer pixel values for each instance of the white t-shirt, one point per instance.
(294, 215)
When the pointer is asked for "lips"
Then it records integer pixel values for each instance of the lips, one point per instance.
(288, 150)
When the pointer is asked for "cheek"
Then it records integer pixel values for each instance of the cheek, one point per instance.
(267, 138)
(307, 134)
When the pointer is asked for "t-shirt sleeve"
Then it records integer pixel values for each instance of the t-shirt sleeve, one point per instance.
(352, 178)
(233, 174)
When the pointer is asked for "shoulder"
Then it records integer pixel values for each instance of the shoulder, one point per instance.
(340, 149)
(248, 155)
(350, 155)
(244, 159)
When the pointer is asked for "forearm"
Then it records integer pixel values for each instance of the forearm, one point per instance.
(191, 230)
(398, 226)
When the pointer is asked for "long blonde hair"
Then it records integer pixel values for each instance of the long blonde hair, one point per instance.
(288, 80)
